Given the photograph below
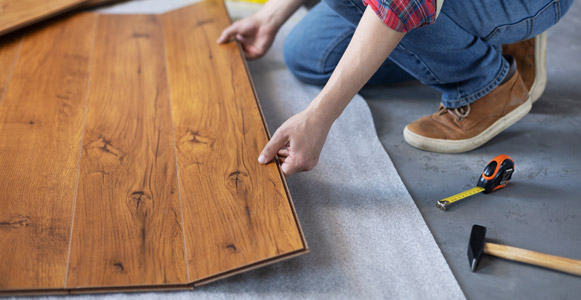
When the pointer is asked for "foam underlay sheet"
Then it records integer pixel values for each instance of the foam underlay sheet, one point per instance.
(367, 238)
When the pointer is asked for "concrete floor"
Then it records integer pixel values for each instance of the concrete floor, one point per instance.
(540, 209)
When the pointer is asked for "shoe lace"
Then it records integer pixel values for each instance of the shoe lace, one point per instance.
(460, 112)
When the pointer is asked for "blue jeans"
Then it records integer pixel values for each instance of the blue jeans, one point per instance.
(460, 54)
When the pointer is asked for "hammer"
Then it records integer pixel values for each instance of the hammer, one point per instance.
(478, 246)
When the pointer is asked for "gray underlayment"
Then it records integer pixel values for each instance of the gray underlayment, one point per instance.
(366, 236)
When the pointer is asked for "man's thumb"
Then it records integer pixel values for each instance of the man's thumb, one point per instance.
(270, 150)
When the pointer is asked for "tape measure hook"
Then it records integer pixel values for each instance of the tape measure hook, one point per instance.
(506, 176)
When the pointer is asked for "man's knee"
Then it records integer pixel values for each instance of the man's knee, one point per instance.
(300, 61)
(313, 48)
(290, 52)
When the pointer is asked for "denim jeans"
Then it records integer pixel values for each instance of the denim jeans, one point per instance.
(460, 54)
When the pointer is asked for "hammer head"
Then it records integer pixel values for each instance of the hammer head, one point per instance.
(476, 246)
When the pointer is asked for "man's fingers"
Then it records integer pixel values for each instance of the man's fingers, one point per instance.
(283, 152)
(241, 38)
(276, 143)
(288, 168)
(246, 46)
(227, 34)
(250, 50)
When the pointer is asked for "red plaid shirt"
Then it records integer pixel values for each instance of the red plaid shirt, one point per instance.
(404, 15)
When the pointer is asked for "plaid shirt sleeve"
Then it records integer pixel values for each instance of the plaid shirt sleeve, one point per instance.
(404, 15)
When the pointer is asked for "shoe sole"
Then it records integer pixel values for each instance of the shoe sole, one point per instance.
(459, 146)
(540, 81)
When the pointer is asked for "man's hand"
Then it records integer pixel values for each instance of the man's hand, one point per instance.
(297, 142)
(254, 33)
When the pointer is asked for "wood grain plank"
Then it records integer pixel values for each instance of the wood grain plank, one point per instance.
(41, 117)
(15, 14)
(236, 212)
(127, 229)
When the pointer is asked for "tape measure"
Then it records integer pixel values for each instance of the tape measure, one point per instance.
(495, 176)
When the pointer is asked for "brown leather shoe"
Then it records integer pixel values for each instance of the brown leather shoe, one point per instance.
(531, 56)
(466, 128)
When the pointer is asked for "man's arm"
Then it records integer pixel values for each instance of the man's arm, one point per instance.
(371, 45)
(299, 141)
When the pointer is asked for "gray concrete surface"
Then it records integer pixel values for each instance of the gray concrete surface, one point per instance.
(539, 210)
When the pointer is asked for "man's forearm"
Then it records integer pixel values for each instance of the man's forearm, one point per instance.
(276, 12)
(370, 46)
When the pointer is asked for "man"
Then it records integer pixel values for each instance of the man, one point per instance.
(455, 47)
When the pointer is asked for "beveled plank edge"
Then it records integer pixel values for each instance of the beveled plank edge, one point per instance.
(117, 289)
(86, 105)
(154, 288)
(268, 135)
(133, 289)
(249, 267)
(89, 4)
(45, 17)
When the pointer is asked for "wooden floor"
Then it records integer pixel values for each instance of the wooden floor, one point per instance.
(128, 157)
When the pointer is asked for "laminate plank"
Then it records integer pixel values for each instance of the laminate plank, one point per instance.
(15, 14)
(41, 116)
(236, 212)
(127, 229)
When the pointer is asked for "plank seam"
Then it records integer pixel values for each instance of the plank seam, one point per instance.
(175, 149)
(90, 68)
(11, 70)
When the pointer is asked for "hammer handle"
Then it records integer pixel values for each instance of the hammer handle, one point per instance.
(559, 263)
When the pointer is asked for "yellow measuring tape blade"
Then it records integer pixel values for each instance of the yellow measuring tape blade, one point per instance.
(463, 195)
